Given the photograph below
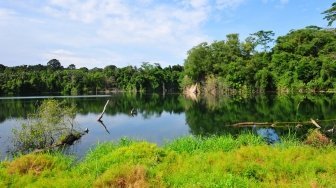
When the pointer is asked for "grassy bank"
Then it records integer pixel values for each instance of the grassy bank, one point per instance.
(223, 161)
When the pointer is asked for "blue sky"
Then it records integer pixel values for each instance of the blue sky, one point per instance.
(97, 33)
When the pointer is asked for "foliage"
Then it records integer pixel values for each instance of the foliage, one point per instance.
(187, 162)
(53, 78)
(302, 60)
(54, 64)
(263, 38)
(317, 139)
(45, 127)
(330, 14)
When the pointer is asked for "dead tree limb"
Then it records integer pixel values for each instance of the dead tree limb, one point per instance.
(298, 124)
(101, 115)
(314, 123)
(252, 123)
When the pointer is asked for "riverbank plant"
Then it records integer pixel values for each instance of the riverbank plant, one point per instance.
(218, 161)
(48, 125)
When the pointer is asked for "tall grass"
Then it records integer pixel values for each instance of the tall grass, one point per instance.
(218, 161)
(193, 144)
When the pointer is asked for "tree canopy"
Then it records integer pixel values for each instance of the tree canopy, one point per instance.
(330, 14)
(53, 78)
(303, 59)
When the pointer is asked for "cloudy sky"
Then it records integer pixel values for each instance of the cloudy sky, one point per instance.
(96, 33)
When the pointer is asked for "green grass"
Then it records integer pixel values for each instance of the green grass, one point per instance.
(222, 161)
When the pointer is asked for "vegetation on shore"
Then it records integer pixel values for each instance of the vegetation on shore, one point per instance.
(224, 161)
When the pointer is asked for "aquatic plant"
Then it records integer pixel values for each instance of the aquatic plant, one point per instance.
(51, 122)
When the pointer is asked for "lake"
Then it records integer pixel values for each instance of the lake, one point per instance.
(161, 118)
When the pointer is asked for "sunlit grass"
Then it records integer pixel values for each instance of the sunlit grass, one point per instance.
(218, 161)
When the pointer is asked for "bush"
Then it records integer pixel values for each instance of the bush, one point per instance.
(317, 139)
(42, 129)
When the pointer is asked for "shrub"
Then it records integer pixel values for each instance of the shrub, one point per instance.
(317, 139)
(42, 129)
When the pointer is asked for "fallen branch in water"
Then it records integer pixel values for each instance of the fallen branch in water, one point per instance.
(67, 140)
(314, 122)
(101, 115)
(298, 123)
(252, 123)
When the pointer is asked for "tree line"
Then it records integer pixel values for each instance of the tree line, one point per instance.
(54, 78)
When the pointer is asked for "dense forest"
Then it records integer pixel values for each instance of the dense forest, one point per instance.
(302, 60)
(54, 78)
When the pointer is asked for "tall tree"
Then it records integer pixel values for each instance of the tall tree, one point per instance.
(2, 67)
(263, 38)
(72, 66)
(54, 64)
(330, 14)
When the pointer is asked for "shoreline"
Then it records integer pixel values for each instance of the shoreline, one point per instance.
(224, 161)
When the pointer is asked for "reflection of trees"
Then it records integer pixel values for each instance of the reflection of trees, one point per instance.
(14, 108)
(216, 117)
(147, 105)
(206, 116)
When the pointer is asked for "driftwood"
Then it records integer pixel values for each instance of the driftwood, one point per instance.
(68, 140)
(298, 124)
(251, 123)
(101, 115)
(133, 112)
(314, 123)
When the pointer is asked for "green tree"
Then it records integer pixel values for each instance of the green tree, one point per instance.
(72, 66)
(198, 63)
(330, 14)
(298, 58)
(263, 38)
(54, 64)
(2, 67)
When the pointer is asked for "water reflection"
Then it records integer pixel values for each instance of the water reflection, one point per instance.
(269, 135)
(102, 123)
(159, 118)
(209, 116)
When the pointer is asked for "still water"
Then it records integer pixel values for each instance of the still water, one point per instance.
(160, 118)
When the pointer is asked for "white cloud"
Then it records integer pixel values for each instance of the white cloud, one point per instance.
(6, 15)
(221, 4)
(6, 12)
(121, 22)
(281, 1)
(120, 32)
(197, 3)
(284, 1)
(173, 28)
